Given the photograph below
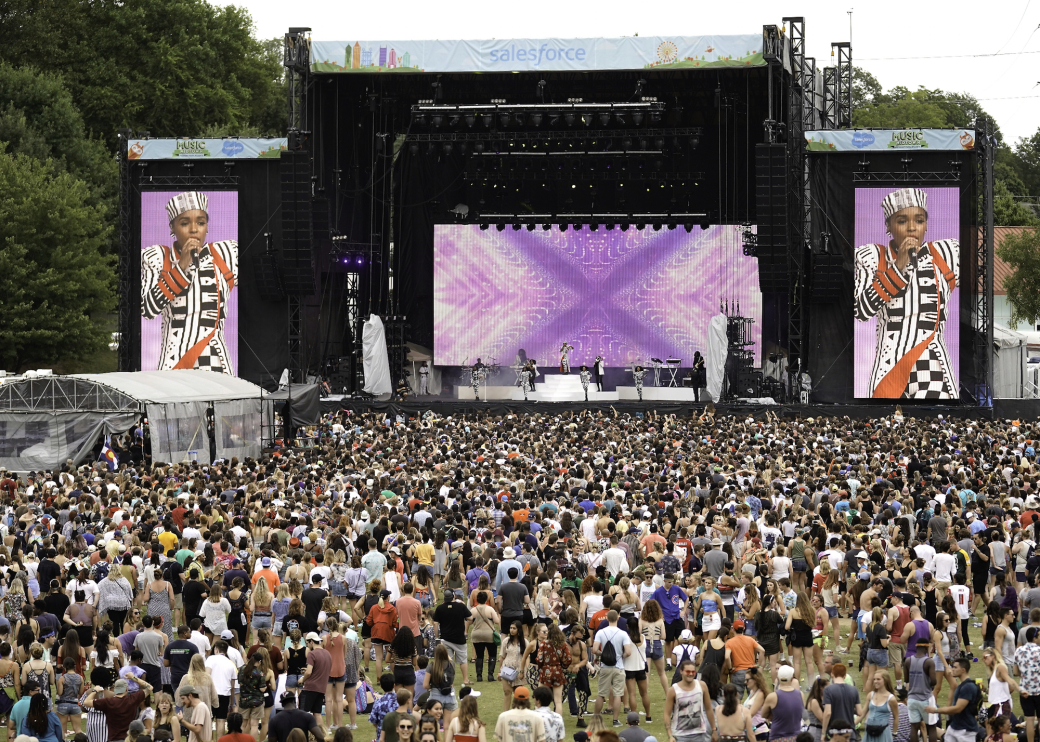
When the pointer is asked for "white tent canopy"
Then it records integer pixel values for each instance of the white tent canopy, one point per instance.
(1010, 353)
(46, 421)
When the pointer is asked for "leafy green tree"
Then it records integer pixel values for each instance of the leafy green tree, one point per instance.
(38, 118)
(1027, 163)
(1022, 253)
(171, 67)
(1008, 211)
(55, 282)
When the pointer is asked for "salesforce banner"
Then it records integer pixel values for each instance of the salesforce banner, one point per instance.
(225, 149)
(534, 55)
(846, 140)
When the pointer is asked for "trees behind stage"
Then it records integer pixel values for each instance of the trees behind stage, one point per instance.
(72, 73)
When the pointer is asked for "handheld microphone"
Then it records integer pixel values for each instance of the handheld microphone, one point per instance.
(195, 258)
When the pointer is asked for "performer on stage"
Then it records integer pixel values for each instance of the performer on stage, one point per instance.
(526, 376)
(424, 379)
(532, 366)
(700, 375)
(189, 285)
(586, 377)
(565, 365)
(907, 285)
(475, 375)
(599, 367)
(638, 375)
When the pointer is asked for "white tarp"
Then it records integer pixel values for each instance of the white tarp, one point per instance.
(34, 441)
(186, 385)
(179, 432)
(237, 428)
(1010, 354)
(377, 363)
(715, 359)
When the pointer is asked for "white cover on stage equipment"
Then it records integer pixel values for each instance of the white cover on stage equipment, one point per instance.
(715, 358)
(377, 363)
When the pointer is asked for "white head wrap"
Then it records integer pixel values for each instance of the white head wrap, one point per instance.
(904, 198)
(190, 201)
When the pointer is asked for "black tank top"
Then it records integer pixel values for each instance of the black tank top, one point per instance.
(713, 656)
(297, 660)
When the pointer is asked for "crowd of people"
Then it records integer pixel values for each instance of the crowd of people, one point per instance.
(405, 566)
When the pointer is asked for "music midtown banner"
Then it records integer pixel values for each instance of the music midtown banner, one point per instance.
(845, 140)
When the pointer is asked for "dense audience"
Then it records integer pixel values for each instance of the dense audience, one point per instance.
(752, 567)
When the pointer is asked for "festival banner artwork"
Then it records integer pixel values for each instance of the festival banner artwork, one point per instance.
(889, 139)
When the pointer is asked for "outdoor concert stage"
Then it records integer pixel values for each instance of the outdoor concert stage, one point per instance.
(641, 199)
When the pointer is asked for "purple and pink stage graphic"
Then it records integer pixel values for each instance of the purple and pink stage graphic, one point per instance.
(628, 296)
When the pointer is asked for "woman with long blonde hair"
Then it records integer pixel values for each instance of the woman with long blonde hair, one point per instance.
(260, 601)
(166, 715)
(467, 726)
(198, 677)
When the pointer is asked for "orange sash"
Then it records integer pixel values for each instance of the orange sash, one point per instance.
(189, 359)
(895, 381)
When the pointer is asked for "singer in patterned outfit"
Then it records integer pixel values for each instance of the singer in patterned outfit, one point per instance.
(189, 285)
(907, 284)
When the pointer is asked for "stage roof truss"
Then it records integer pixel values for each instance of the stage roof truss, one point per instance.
(62, 393)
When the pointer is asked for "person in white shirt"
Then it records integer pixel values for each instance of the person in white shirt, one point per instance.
(200, 641)
(615, 560)
(224, 675)
(927, 552)
(945, 567)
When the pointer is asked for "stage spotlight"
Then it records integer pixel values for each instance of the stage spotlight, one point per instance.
(637, 117)
(414, 148)
(671, 225)
(447, 147)
(500, 226)
(503, 120)
(694, 141)
(470, 120)
(644, 144)
(568, 118)
(484, 226)
(593, 227)
(626, 143)
(655, 117)
(420, 119)
(486, 119)
(657, 227)
(437, 120)
(620, 118)
(563, 227)
(530, 227)
(536, 119)
(516, 226)
(463, 147)
(478, 147)
(604, 119)
(640, 227)
(360, 260)
(546, 227)
(659, 143)
(519, 119)
(688, 227)
(430, 148)
(705, 225)
(554, 119)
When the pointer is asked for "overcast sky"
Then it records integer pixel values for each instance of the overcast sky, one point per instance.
(906, 43)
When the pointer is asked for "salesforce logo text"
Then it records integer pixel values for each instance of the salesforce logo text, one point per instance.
(537, 55)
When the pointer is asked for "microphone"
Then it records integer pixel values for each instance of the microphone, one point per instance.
(195, 258)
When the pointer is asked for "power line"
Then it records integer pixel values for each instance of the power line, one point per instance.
(949, 56)
(1018, 26)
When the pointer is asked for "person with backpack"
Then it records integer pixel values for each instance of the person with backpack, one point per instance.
(963, 724)
(611, 645)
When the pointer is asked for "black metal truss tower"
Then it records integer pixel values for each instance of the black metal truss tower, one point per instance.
(982, 303)
(127, 315)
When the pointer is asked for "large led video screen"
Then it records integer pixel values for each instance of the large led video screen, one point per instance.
(189, 271)
(628, 296)
(907, 267)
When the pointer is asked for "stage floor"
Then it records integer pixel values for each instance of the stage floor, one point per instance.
(567, 388)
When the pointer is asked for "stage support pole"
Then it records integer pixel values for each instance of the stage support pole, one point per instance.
(989, 153)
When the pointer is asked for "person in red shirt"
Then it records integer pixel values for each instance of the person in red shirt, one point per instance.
(178, 514)
(684, 550)
(235, 734)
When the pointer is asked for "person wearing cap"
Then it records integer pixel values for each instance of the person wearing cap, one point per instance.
(119, 709)
(784, 707)
(633, 732)
(200, 724)
(520, 723)
(715, 558)
(267, 574)
(315, 677)
(508, 560)
(743, 653)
